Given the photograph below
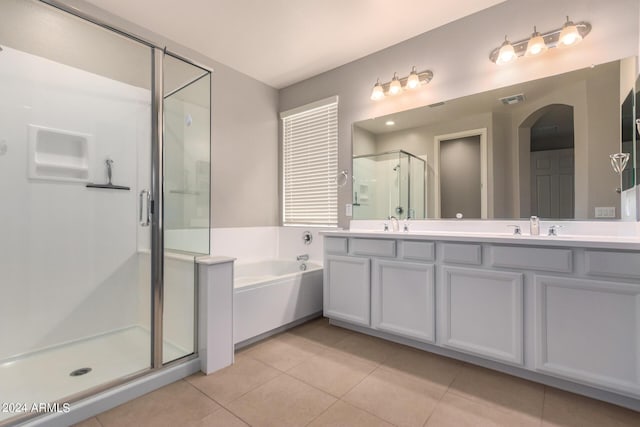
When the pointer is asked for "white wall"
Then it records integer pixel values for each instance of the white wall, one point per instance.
(244, 132)
(248, 244)
(68, 254)
(458, 55)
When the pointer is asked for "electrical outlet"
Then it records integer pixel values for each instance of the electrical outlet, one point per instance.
(606, 212)
(348, 209)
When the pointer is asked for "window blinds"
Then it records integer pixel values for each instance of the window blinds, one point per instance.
(310, 164)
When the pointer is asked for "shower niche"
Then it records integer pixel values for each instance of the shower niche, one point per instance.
(389, 184)
(59, 155)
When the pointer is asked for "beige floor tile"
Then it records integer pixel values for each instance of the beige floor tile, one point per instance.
(220, 418)
(342, 414)
(285, 351)
(321, 332)
(563, 409)
(504, 391)
(456, 411)
(91, 422)
(232, 382)
(367, 348)
(396, 397)
(333, 372)
(283, 401)
(439, 370)
(176, 404)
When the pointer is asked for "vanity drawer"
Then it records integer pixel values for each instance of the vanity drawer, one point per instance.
(372, 247)
(419, 251)
(462, 253)
(335, 245)
(541, 259)
(613, 264)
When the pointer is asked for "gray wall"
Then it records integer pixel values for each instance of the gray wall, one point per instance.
(244, 125)
(460, 177)
(457, 53)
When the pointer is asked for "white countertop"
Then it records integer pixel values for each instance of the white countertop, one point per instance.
(573, 241)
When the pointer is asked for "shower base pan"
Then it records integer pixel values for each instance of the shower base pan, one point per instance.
(52, 374)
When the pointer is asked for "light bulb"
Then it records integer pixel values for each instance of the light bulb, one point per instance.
(413, 81)
(569, 34)
(507, 53)
(536, 44)
(395, 87)
(378, 92)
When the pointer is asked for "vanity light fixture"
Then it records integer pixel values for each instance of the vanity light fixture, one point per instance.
(536, 44)
(569, 35)
(378, 91)
(506, 53)
(389, 123)
(413, 81)
(395, 87)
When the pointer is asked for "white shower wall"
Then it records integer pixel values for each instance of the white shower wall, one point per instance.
(69, 254)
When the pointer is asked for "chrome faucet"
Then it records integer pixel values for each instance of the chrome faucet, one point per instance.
(394, 223)
(304, 257)
(517, 231)
(553, 230)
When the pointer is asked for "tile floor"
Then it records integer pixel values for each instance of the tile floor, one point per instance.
(322, 375)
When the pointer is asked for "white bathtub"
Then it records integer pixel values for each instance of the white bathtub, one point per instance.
(273, 293)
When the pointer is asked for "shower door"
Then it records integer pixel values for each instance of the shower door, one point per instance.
(186, 170)
(75, 171)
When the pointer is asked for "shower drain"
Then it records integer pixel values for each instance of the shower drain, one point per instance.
(79, 372)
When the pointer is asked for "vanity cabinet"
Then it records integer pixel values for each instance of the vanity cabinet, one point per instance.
(347, 290)
(589, 331)
(403, 299)
(483, 312)
(555, 311)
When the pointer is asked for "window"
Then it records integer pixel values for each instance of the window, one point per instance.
(310, 164)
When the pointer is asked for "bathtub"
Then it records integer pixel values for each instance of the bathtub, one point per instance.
(270, 294)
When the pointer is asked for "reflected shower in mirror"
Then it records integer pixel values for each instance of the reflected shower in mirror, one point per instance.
(389, 184)
(537, 148)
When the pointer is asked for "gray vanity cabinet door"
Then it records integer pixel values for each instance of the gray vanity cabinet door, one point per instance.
(589, 331)
(402, 299)
(483, 313)
(347, 289)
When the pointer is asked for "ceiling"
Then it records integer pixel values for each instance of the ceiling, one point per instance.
(281, 42)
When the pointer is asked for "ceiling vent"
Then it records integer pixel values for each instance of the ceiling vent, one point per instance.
(513, 99)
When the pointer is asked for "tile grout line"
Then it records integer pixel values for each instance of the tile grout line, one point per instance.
(249, 391)
(220, 406)
(443, 394)
(223, 406)
(320, 414)
(544, 399)
(491, 405)
(358, 407)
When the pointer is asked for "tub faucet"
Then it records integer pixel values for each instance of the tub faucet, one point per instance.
(304, 257)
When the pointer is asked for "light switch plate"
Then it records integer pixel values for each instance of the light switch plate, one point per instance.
(348, 211)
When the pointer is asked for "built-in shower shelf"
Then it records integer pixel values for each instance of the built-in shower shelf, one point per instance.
(59, 155)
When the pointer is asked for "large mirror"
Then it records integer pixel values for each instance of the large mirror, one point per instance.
(538, 148)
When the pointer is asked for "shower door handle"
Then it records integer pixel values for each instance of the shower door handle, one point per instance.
(146, 221)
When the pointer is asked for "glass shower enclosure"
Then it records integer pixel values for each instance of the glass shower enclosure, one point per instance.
(104, 205)
(389, 184)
